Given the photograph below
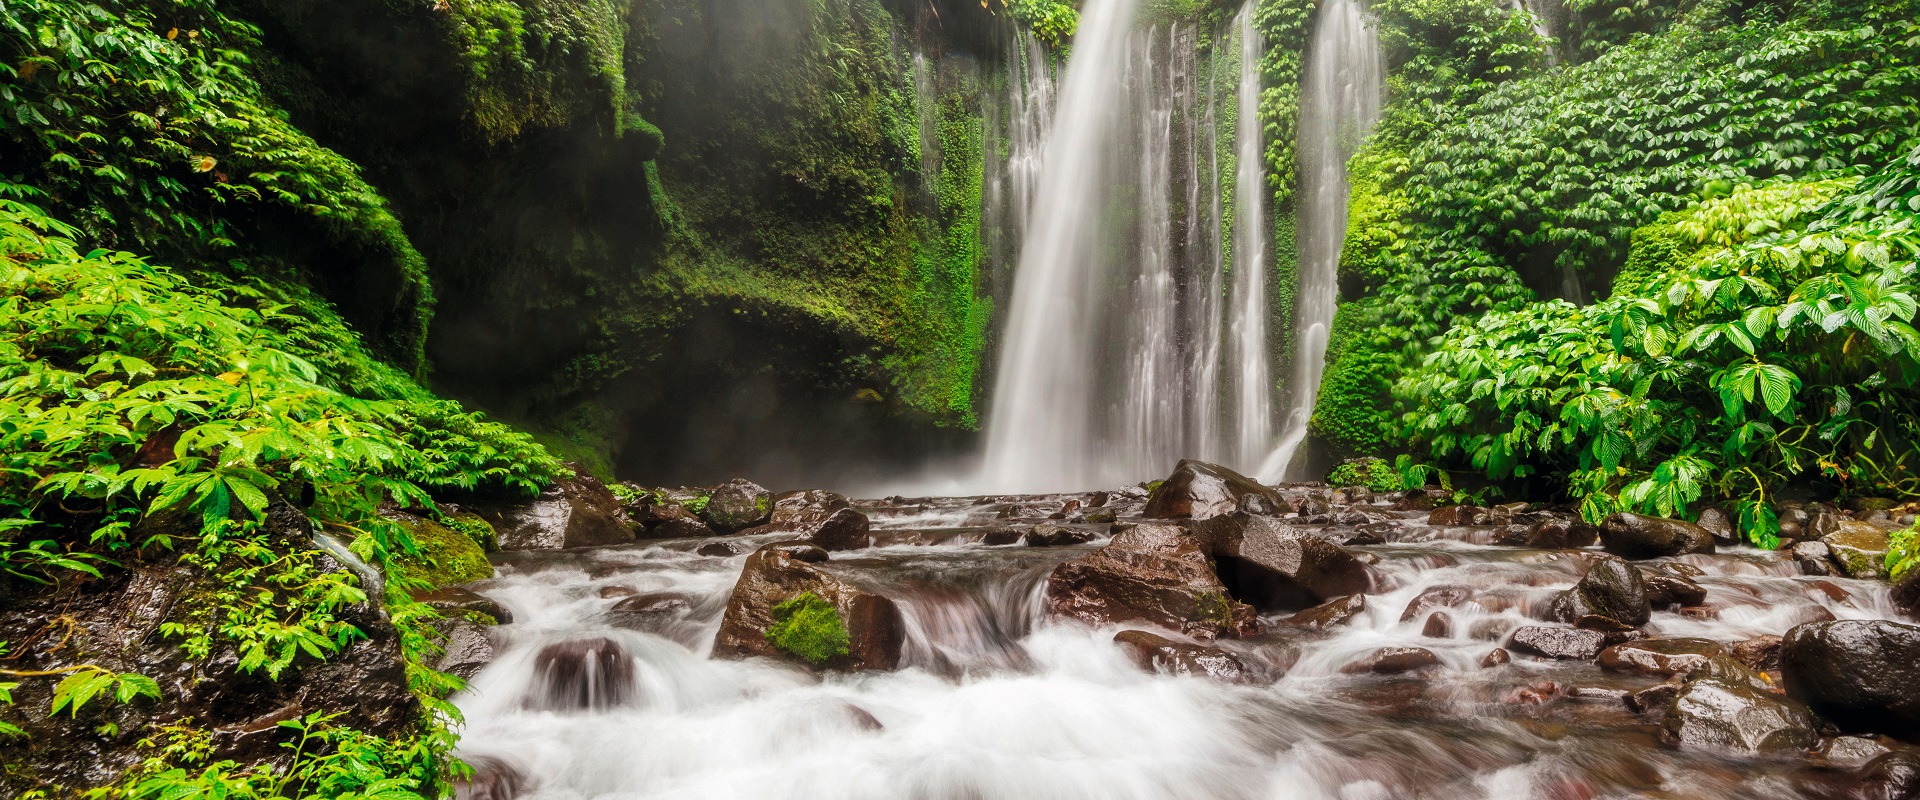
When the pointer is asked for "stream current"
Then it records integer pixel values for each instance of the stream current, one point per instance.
(995, 700)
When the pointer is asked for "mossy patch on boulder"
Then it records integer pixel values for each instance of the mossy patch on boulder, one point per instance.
(810, 628)
(446, 556)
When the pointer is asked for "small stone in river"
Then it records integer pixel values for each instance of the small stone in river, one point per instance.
(1730, 717)
(1637, 536)
(738, 504)
(1655, 699)
(1894, 776)
(718, 549)
(1393, 661)
(1565, 644)
(1659, 657)
(1439, 626)
(1848, 751)
(1665, 590)
(1760, 652)
(1435, 597)
(1495, 658)
(1056, 536)
(1538, 693)
(1859, 549)
(1813, 558)
(1000, 536)
(1612, 590)
(1155, 653)
(1337, 611)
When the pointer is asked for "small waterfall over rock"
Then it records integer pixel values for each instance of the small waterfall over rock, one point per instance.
(1339, 102)
(1126, 346)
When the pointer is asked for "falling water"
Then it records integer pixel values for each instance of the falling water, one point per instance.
(1122, 334)
(1340, 99)
(1252, 411)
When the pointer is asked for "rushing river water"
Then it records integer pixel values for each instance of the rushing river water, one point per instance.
(994, 700)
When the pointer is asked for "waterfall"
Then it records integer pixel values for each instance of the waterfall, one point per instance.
(1252, 411)
(1123, 330)
(1339, 102)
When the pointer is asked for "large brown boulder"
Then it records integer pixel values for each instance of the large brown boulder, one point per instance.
(1199, 490)
(1637, 536)
(1733, 717)
(805, 508)
(738, 504)
(573, 512)
(1859, 549)
(1862, 675)
(784, 571)
(1612, 589)
(1274, 566)
(1561, 532)
(1154, 574)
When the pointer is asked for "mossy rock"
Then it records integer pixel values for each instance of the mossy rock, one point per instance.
(475, 527)
(1372, 472)
(446, 556)
(810, 628)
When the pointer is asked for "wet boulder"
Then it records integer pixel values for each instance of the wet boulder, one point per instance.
(653, 612)
(1716, 522)
(1734, 718)
(1155, 653)
(805, 508)
(1199, 490)
(1659, 658)
(1154, 574)
(737, 505)
(1891, 776)
(1637, 536)
(1434, 597)
(1393, 661)
(1858, 549)
(1612, 590)
(1862, 675)
(1458, 516)
(782, 591)
(573, 512)
(1758, 653)
(1057, 536)
(1338, 611)
(467, 646)
(1906, 593)
(493, 779)
(843, 528)
(1666, 589)
(1274, 566)
(1562, 644)
(1560, 533)
(1813, 558)
(582, 675)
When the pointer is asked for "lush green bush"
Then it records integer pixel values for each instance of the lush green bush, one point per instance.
(1779, 351)
(1552, 173)
(809, 627)
(1374, 473)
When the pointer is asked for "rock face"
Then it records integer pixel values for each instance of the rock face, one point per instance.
(1338, 611)
(1858, 549)
(1612, 589)
(1274, 566)
(738, 504)
(783, 571)
(1659, 658)
(1732, 717)
(573, 512)
(1637, 536)
(1156, 574)
(1859, 675)
(1199, 490)
(1155, 653)
(1566, 644)
(114, 622)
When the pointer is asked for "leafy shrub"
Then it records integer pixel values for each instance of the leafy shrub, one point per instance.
(1904, 552)
(1374, 473)
(1780, 352)
(809, 627)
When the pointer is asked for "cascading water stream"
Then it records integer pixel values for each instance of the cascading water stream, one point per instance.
(1340, 100)
(1126, 345)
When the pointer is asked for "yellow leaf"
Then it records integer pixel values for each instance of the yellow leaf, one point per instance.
(205, 164)
(232, 377)
(172, 34)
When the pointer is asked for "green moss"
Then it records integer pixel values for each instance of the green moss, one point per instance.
(1351, 411)
(1214, 607)
(1655, 249)
(446, 556)
(474, 527)
(809, 628)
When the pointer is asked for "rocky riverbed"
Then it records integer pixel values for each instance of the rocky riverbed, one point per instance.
(1212, 638)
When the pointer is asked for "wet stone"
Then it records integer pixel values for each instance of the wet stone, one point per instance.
(1199, 490)
(1664, 590)
(1001, 536)
(1863, 676)
(1637, 536)
(1057, 536)
(1155, 653)
(1611, 596)
(1393, 661)
(1759, 653)
(1436, 597)
(1439, 626)
(1157, 574)
(581, 675)
(738, 504)
(1659, 657)
(1894, 776)
(1656, 699)
(1848, 752)
(1859, 550)
(1565, 644)
(1337, 611)
(1716, 715)
(454, 600)
(1495, 657)
(718, 549)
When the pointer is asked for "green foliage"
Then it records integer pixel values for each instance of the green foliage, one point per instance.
(1781, 351)
(539, 64)
(809, 627)
(1453, 51)
(1551, 173)
(1374, 473)
(147, 125)
(1904, 552)
(445, 556)
(1054, 22)
(326, 760)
